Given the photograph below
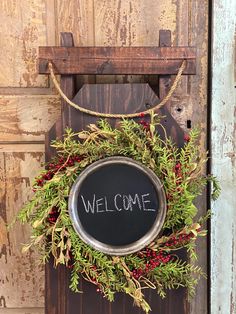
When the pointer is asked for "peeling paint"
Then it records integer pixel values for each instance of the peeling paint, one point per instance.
(22, 31)
(3, 234)
(223, 274)
(2, 302)
(21, 276)
(28, 118)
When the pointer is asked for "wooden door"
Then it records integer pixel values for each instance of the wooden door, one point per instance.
(103, 98)
(59, 299)
(27, 99)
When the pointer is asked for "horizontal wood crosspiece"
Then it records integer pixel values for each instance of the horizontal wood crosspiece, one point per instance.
(110, 115)
(117, 60)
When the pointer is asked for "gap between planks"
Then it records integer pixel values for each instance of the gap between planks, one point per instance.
(25, 147)
(22, 310)
(31, 91)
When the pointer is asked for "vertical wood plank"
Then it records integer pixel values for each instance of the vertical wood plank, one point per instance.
(22, 30)
(77, 17)
(132, 23)
(197, 114)
(57, 279)
(21, 276)
(67, 83)
(165, 84)
(223, 138)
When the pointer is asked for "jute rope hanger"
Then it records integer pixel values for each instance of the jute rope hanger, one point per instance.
(118, 115)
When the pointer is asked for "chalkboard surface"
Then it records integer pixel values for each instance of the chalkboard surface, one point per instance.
(117, 205)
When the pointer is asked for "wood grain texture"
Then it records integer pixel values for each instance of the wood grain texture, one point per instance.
(57, 280)
(27, 111)
(21, 277)
(190, 92)
(195, 102)
(22, 311)
(77, 17)
(223, 130)
(188, 105)
(27, 118)
(59, 299)
(22, 30)
(26, 24)
(132, 95)
(22, 147)
(117, 60)
(132, 23)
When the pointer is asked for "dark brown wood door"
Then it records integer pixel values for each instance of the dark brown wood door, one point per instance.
(59, 299)
(187, 107)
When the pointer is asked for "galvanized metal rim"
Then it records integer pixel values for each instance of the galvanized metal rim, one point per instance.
(106, 248)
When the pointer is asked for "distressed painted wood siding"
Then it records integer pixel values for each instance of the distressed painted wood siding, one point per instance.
(29, 105)
(223, 128)
(28, 108)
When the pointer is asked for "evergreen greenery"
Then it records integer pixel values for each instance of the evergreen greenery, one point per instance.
(156, 266)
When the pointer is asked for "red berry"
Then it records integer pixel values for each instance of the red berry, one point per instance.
(71, 162)
(178, 166)
(40, 182)
(141, 114)
(186, 138)
(70, 266)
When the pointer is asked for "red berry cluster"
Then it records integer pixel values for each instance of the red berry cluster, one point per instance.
(45, 177)
(179, 175)
(145, 124)
(179, 240)
(154, 259)
(94, 280)
(60, 165)
(177, 169)
(53, 215)
(186, 138)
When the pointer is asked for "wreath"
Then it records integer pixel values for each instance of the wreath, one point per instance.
(157, 266)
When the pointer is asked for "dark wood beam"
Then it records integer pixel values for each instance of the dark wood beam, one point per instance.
(117, 60)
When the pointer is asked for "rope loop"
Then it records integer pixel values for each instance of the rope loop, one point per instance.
(118, 115)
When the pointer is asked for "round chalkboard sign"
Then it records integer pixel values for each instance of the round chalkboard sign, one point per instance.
(117, 205)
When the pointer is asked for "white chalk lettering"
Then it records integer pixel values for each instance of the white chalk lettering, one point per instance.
(89, 207)
(115, 202)
(146, 201)
(135, 200)
(118, 203)
(99, 203)
(126, 203)
(106, 206)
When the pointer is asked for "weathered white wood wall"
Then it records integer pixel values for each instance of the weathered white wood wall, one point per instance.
(223, 230)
